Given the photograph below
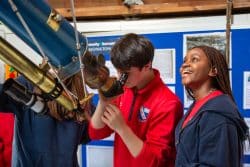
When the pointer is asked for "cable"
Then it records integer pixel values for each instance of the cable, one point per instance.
(78, 46)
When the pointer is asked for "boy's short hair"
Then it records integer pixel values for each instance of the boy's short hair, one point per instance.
(132, 50)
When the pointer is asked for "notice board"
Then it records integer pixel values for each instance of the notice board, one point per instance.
(170, 48)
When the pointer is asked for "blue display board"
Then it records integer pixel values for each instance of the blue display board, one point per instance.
(240, 62)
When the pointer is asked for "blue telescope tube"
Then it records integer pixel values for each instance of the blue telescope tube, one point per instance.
(55, 36)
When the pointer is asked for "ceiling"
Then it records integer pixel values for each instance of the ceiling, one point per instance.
(111, 9)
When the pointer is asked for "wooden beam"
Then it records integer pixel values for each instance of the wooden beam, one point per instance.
(147, 9)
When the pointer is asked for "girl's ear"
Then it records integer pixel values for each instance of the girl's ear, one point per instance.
(213, 72)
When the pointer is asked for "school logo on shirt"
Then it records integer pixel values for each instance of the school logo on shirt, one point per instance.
(143, 114)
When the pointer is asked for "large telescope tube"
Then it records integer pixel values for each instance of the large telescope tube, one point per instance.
(23, 65)
(55, 34)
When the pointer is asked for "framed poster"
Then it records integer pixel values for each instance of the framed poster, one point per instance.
(214, 39)
(164, 61)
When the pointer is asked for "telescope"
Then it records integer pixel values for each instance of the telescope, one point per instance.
(53, 32)
(27, 68)
(52, 37)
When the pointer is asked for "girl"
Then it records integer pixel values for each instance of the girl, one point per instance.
(212, 132)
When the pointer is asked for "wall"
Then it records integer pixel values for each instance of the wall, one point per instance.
(165, 34)
(171, 34)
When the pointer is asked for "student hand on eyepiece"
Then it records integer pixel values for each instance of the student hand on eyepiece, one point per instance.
(96, 76)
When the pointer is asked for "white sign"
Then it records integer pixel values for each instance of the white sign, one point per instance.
(246, 90)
